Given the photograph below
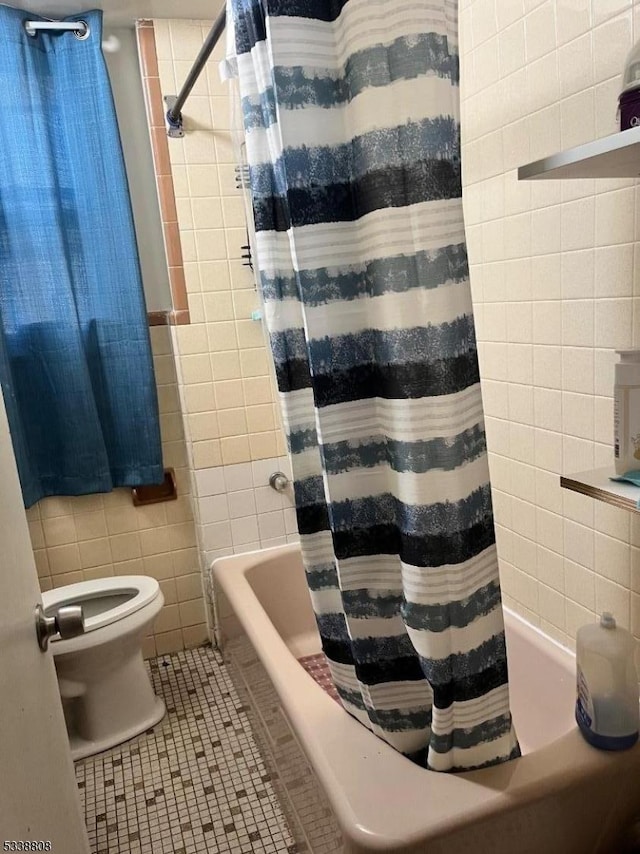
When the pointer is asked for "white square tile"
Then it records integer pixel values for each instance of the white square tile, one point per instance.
(551, 605)
(578, 508)
(613, 521)
(614, 598)
(519, 323)
(544, 130)
(494, 318)
(523, 482)
(244, 530)
(548, 491)
(578, 544)
(577, 414)
(521, 403)
(271, 525)
(613, 559)
(578, 369)
(495, 365)
(285, 466)
(547, 322)
(615, 217)
(210, 481)
(238, 476)
(263, 469)
(267, 499)
(603, 420)
(578, 329)
(495, 398)
(614, 271)
(575, 63)
(541, 30)
(547, 366)
(545, 231)
(517, 362)
(550, 568)
(546, 276)
(577, 119)
(604, 362)
(522, 447)
(240, 548)
(577, 455)
(290, 521)
(544, 82)
(611, 41)
(523, 518)
(498, 436)
(549, 528)
(578, 224)
(214, 508)
(580, 584)
(548, 409)
(216, 536)
(613, 323)
(577, 270)
(242, 503)
(511, 47)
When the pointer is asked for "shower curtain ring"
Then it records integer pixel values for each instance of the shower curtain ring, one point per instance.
(82, 34)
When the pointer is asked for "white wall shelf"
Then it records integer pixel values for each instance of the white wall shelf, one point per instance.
(615, 156)
(597, 484)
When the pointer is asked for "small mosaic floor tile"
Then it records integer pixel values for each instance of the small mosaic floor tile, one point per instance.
(195, 783)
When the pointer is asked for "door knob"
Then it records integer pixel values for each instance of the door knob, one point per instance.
(68, 622)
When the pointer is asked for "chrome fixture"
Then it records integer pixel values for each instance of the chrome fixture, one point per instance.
(279, 481)
(68, 622)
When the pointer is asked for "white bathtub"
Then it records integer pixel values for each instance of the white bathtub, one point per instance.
(344, 790)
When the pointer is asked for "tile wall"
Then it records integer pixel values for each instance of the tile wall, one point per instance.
(556, 289)
(94, 536)
(156, 109)
(228, 397)
(240, 512)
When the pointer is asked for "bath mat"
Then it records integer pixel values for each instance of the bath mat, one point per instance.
(317, 667)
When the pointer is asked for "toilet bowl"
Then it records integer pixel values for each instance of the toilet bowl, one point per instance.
(105, 688)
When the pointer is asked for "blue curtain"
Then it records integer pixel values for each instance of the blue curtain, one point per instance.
(351, 116)
(75, 359)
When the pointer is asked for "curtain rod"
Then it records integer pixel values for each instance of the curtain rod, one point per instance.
(176, 103)
(80, 29)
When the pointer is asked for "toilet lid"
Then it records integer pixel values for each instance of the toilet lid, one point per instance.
(105, 600)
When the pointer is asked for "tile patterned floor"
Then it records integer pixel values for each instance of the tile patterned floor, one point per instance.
(317, 666)
(195, 783)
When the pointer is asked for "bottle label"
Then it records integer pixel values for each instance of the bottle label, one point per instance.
(584, 705)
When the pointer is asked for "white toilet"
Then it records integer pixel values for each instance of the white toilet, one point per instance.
(106, 691)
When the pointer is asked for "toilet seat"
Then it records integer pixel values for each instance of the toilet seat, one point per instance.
(135, 591)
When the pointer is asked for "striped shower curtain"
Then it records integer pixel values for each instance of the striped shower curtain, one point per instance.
(351, 115)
